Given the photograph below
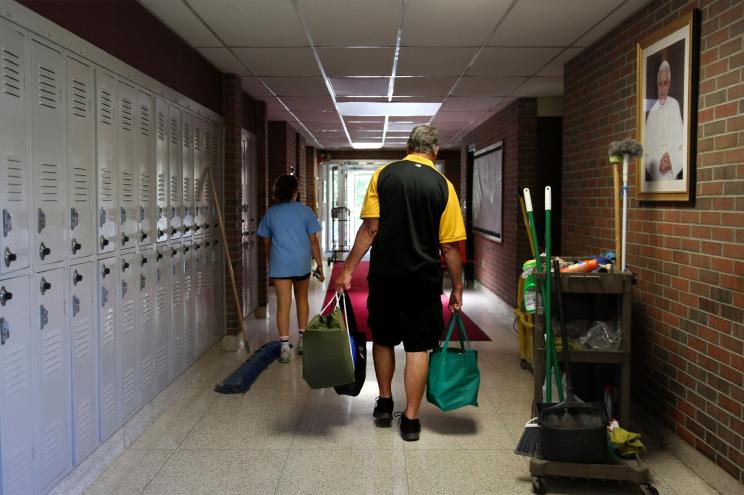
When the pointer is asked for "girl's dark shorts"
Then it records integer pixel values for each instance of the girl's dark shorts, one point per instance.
(397, 316)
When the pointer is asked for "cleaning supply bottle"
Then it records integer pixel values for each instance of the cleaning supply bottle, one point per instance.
(529, 294)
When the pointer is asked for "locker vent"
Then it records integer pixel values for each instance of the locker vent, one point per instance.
(126, 114)
(187, 185)
(176, 299)
(146, 315)
(82, 339)
(161, 126)
(127, 312)
(174, 130)
(12, 78)
(106, 109)
(47, 87)
(20, 471)
(80, 185)
(161, 188)
(162, 361)
(128, 388)
(177, 354)
(127, 186)
(144, 120)
(174, 189)
(197, 139)
(14, 188)
(146, 372)
(187, 139)
(49, 183)
(84, 423)
(161, 302)
(199, 284)
(109, 402)
(53, 443)
(144, 182)
(106, 186)
(207, 143)
(15, 373)
(79, 98)
(51, 353)
(108, 334)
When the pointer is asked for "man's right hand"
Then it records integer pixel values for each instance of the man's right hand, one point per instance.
(455, 302)
(343, 281)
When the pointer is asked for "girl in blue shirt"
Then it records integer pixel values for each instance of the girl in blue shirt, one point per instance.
(290, 229)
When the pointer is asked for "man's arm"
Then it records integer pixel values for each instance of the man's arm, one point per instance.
(364, 237)
(315, 248)
(453, 262)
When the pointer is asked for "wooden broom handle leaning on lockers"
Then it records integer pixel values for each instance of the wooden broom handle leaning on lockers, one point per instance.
(226, 250)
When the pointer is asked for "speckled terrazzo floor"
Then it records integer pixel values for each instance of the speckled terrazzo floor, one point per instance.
(284, 438)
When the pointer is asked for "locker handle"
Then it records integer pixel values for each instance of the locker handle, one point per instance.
(4, 331)
(10, 257)
(76, 277)
(43, 316)
(160, 256)
(5, 296)
(44, 251)
(161, 233)
(173, 230)
(124, 265)
(124, 239)
(174, 252)
(197, 227)
(76, 246)
(104, 242)
(206, 244)
(185, 249)
(7, 222)
(143, 261)
(197, 247)
(75, 305)
(41, 224)
(143, 236)
(74, 218)
(106, 270)
(44, 286)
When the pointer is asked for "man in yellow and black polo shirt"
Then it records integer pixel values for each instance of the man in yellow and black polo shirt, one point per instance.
(410, 214)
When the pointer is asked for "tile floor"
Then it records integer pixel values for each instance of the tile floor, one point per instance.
(284, 438)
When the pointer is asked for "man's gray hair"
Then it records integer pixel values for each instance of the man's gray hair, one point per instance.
(664, 66)
(423, 138)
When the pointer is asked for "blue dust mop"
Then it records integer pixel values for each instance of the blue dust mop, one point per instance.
(243, 377)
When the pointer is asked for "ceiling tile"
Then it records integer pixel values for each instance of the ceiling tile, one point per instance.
(615, 19)
(452, 23)
(356, 119)
(512, 61)
(541, 86)
(279, 61)
(423, 119)
(458, 116)
(397, 126)
(487, 86)
(310, 103)
(555, 68)
(541, 23)
(450, 125)
(317, 116)
(356, 61)
(424, 86)
(360, 86)
(183, 22)
(465, 103)
(253, 87)
(224, 61)
(255, 23)
(297, 86)
(429, 61)
(351, 22)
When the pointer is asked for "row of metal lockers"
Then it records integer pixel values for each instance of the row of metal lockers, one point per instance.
(110, 263)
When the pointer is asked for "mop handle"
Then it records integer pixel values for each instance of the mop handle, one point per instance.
(625, 209)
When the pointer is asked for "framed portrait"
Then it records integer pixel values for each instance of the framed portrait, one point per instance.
(488, 171)
(667, 111)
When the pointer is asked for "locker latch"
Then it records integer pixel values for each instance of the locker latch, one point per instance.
(4, 331)
(44, 251)
(124, 239)
(157, 275)
(143, 236)
(44, 286)
(5, 296)
(124, 288)
(43, 316)
(143, 261)
(104, 242)
(102, 217)
(142, 281)
(124, 265)
(142, 214)
(10, 257)
(41, 224)
(105, 271)
(104, 296)
(76, 277)
(7, 222)
(76, 246)
(123, 215)
(74, 218)
(75, 305)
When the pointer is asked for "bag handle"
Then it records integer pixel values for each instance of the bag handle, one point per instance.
(330, 301)
(463, 334)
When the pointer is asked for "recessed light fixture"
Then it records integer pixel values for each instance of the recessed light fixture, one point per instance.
(366, 146)
(382, 109)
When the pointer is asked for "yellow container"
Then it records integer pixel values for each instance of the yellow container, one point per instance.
(525, 327)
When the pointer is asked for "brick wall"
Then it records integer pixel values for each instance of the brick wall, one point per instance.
(282, 143)
(498, 265)
(688, 259)
(311, 173)
(263, 194)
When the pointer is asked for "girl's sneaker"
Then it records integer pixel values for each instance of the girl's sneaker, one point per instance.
(285, 353)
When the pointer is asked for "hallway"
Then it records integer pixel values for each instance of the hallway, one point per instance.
(284, 438)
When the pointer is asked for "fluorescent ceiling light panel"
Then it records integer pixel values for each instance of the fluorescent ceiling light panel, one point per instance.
(366, 146)
(359, 108)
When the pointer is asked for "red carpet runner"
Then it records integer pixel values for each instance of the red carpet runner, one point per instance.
(358, 296)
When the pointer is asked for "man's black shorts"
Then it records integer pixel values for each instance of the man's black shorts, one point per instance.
(397, 316)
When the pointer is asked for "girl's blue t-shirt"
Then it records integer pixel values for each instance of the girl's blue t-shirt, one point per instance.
(288, 225)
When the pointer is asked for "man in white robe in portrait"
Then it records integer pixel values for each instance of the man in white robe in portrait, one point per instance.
(664, 132)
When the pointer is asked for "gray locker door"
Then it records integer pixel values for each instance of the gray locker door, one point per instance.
(107, 170)
(161, 168)
(162, 317)
(49, 150)
(16, 400)
(108, 279)
(129, 213)
(176, 316)
(189, 312)
(200, 296)
(84, 352)
(15, 170)
(146, 320)
(52, 385)
(209, 288)
(200, 162)
(251, 287)
(219, 282)
(127, 323)
(175, 172)
(144, 158)
(187, 177)
(81, 173)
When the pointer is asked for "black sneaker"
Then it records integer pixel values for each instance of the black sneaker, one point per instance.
(409, 428)
(383, 412)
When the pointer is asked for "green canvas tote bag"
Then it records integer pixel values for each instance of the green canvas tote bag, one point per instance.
(454, 377)
(327, 355)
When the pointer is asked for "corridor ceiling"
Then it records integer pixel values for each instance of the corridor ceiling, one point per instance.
(362, 73)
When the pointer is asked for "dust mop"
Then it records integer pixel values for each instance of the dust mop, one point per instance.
(623, 150)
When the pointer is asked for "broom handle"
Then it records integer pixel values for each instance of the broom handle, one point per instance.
(616, 196)
(226, 250)
(533, 248)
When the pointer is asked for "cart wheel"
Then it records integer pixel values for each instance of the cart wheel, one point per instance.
(649, 489)
(538, 485)
(523, 364)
